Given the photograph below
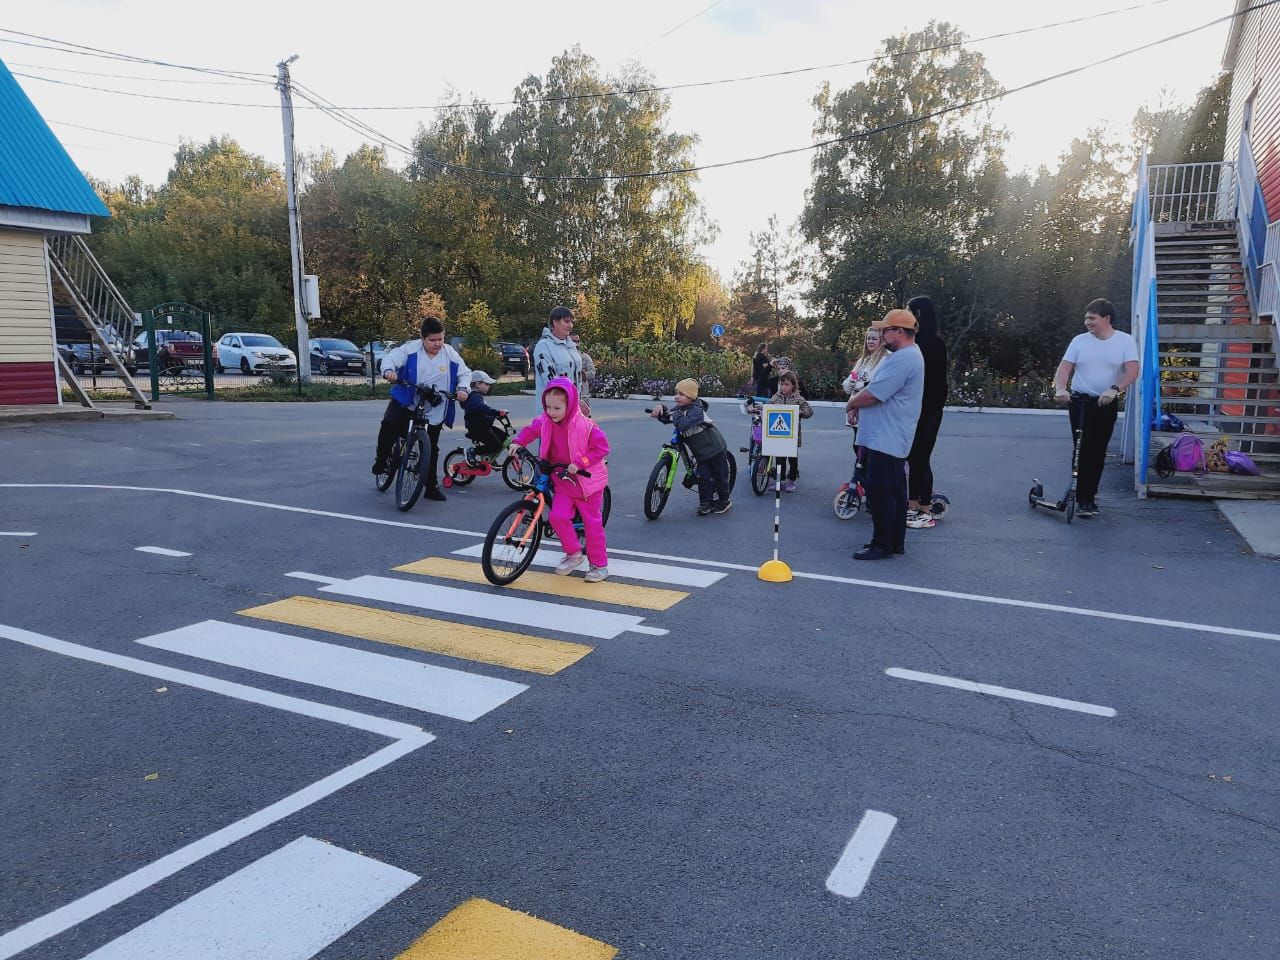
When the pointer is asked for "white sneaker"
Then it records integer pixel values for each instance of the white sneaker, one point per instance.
(919, 520)
(596, 574)
(570, 563)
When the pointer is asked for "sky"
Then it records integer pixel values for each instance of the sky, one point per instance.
(388, 52)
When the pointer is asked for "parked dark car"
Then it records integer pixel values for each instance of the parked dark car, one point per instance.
(514, 357)
(177, 349)
(332, 355)
(89, 357)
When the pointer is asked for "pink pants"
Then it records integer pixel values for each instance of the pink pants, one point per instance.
(561, 519)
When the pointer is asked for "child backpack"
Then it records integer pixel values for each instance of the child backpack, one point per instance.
(1187, 453)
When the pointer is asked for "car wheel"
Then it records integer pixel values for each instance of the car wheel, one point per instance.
(218, 368)
(244, 367)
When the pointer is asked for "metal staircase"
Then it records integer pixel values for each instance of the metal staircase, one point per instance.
(1213, 359)
(107, 316)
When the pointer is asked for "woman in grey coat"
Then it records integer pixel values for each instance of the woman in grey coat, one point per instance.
(555, 355)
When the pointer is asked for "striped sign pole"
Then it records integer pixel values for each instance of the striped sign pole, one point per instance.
(778, 439)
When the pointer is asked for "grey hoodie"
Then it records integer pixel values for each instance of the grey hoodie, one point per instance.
(555, 358)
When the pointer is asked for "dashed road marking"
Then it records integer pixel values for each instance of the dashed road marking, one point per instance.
(853, 869)
(289, 905)
(670, 574)
(17, 533)
(482, 644)
(1005, 692)
(604, 624)
(313, 577)
(480, 930)
(575, 588)
(420, 686)
(162, 551)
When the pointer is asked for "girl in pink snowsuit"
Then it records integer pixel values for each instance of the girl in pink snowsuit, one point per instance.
(566, 435)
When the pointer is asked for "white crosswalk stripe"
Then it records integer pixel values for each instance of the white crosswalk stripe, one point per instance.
(669, 574)
(484, 605)
(289, 905)
(409, 683)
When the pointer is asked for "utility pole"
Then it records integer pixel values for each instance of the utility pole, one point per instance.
(295, 227)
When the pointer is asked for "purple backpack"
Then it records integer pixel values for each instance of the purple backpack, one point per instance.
(1238, 462)
(1187, 453)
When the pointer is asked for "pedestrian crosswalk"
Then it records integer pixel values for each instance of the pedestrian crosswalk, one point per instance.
(670, 574)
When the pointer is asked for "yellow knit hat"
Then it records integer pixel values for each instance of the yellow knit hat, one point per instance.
(689, 387)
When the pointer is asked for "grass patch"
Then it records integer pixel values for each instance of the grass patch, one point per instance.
(289, 392)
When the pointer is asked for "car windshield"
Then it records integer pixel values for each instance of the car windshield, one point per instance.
(337, 345)
(260, 340)
(177, 335)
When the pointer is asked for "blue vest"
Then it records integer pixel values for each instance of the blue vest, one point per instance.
(404, 394)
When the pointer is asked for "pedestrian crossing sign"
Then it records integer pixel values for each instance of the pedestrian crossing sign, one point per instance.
(780, 437)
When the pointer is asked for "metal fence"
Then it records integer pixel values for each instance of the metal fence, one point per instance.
(1191, 192)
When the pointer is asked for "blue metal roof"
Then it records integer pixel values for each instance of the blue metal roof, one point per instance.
(35, 169)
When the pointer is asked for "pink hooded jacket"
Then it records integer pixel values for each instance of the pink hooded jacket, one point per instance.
(586, 443)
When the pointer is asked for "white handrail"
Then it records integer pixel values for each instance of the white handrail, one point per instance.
(1191, 192)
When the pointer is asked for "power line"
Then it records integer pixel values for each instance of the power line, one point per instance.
(113, 133)
(66, 46)
(863, 134)
(145, 96)
(132, 76)
(685, 22)
(796, 71)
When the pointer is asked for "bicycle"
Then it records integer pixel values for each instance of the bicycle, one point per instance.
(852, 495)
(461, 466)
(662, 477)
(512, 542)
(760, 467)
(411, 452)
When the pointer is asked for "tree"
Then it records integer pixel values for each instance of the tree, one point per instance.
(1173, 133)
(890, 212)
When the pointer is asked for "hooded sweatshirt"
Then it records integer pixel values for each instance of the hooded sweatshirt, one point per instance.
(575, 439)
(553, 357)
(934, 350)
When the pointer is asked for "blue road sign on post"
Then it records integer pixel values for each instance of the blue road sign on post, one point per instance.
(717, 330)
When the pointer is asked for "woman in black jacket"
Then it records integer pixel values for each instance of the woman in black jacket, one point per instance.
(920, 480)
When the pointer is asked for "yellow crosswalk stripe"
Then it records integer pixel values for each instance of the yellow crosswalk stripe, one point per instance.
(500, 647)
(480, 930)
(621, 594)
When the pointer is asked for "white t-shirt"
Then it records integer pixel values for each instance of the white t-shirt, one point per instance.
(1099, 363)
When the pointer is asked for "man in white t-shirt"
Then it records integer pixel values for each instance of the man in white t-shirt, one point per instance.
(1101, 365)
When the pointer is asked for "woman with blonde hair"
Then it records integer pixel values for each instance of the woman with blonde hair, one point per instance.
(873, 351)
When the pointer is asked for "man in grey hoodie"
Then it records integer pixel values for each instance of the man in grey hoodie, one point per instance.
(555, 355)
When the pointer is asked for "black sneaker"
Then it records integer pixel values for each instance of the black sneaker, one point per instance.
(434, 493)
(721, 506)
(704, 509)
(1087, 510)
(379, 467)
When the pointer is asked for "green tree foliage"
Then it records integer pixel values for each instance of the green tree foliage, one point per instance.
(477, 324)
(1173, 133)
(214, 234)
(888, 213)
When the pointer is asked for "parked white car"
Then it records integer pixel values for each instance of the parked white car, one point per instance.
(254, 353)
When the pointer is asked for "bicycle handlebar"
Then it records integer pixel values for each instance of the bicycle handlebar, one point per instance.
(546, 466)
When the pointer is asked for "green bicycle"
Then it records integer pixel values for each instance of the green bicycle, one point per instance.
(663, 476)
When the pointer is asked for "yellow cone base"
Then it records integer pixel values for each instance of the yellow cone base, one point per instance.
(774, 571)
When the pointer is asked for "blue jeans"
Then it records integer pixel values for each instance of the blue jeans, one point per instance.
(886, 487)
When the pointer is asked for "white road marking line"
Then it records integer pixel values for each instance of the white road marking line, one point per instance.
(718, 564)
(408, 683)
(313, 577)
(853, 869)
(407, 739)
(604, 624)
(289, 905)
(1005, 692)
(632, 569)
(162, 551)
(650, 631)
(17, 533)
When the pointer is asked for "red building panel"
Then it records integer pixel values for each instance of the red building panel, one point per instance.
(28, 383)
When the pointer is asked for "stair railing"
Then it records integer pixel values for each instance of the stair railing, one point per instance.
(1251, 225)
(1144, 399)
(1191, 192)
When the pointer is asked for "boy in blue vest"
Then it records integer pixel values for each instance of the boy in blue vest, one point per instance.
(479, 416)
(429, 362)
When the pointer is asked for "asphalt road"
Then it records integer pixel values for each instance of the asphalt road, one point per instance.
(686, 794)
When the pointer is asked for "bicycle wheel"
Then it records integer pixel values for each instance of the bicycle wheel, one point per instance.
(511, 543)
(606, 506)
(847, 503)
(760, 474)
(384, 479)
(658, 488)
(517, 473)
(733, 469)
(409, 478)
(455, 459)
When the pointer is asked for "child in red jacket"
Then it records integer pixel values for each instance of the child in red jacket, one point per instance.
(566, 435)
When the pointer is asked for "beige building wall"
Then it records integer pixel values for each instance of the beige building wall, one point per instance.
(26, 313)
